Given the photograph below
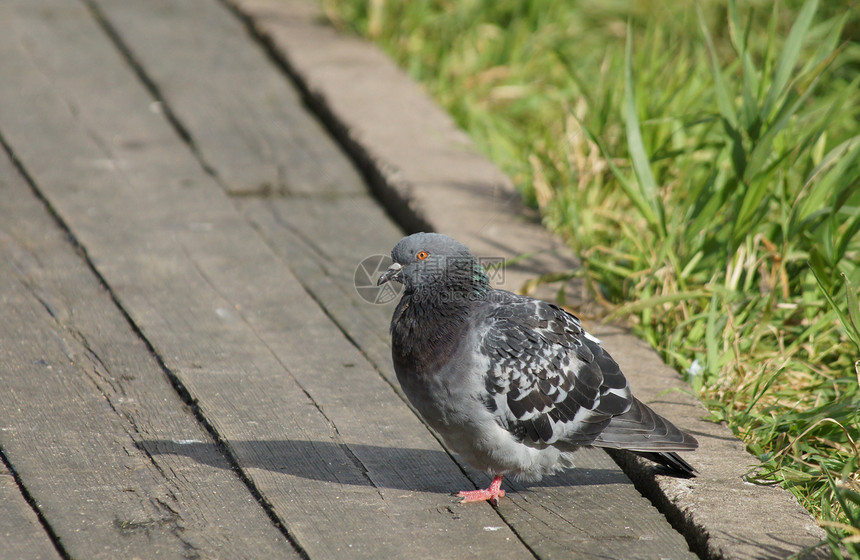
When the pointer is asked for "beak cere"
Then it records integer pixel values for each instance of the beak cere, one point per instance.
(392, 273)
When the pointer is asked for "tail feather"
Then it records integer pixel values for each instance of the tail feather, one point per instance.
(646, 433)
(670, 460)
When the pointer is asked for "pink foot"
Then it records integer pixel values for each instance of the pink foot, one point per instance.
(491, 494)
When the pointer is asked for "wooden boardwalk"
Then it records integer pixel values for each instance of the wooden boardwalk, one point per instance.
(187, 368)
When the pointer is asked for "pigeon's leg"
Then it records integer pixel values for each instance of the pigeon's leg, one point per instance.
(492, 493)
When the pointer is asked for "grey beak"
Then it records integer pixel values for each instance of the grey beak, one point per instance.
(390, 274)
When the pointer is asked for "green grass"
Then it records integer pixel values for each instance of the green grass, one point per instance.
(704, 161)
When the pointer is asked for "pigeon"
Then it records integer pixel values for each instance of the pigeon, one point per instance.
(512, 384)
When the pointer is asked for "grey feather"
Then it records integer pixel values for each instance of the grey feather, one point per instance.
(511, 383)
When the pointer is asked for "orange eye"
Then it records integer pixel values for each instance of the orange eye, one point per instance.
(422, 255)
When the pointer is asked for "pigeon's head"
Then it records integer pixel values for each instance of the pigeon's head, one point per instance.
(425, 259)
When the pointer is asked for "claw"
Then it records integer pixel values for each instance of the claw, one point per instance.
(490, 494)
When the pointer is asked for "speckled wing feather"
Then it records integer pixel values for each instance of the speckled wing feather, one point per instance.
(548, 381)
(551, 383)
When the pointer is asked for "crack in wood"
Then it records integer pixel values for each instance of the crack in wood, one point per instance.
(171, 520)
(150, 86)
(314, 248)
(399, 210)
(332, 426)
(644, 480)
(31, 501)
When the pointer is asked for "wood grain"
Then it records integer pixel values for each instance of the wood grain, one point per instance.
(21, 533)
(249, 126)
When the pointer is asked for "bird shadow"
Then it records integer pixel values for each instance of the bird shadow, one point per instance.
(358, 464)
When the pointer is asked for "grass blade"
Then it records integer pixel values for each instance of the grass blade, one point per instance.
(633, 193)
(853, 312)
(712, 338)
(641, 164)
(788, 57)
(724, 99)
(651, 302)
(749, 85)
(848, 323)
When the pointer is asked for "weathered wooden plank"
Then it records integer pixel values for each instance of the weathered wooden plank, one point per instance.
(82, 396)
(274, 377)
(324, 241)
(593, 510)
(21, 534)
(250, 127)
